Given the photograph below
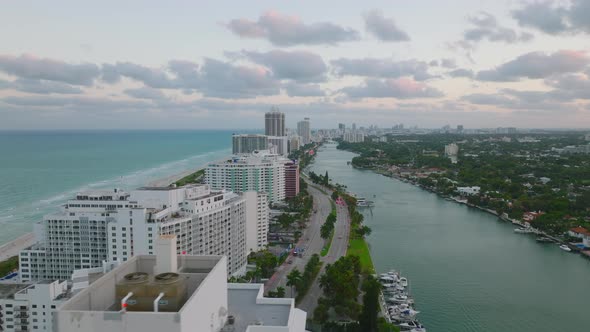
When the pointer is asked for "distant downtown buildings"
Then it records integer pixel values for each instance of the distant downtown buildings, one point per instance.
(99, 226)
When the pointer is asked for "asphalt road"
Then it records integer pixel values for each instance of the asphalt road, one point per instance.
(310, 239)
(337, 250)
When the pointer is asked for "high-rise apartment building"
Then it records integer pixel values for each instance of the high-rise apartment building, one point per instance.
(291, 179)
(304, 131)
(274, 123)
(248, 143)
(257, 211)
(100, 226)
(261, 171)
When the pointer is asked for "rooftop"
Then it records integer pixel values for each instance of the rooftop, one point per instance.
(7, 290)
(248, 306)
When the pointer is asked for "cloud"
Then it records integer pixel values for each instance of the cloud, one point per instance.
(384, 28)
(485, 26)
(488, 99)
(461, 72)
(571, 86)
(223, 80)
(537, 65)
(146, 93)
(40, 86)
(295, 65)
(285, 30)
(303, 90)
(553, 19)
(154, 78)
(74, 103)
(34, 68)
(213, 78)
(402, 88)
(448, 63)
(384, 68)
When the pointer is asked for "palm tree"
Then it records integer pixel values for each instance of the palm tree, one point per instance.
(280, 292)
(293, 278)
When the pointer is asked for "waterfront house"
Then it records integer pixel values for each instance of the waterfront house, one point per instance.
(468, 191)
(580, 233)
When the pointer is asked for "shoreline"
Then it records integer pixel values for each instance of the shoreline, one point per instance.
(12, 248)
(481, 208)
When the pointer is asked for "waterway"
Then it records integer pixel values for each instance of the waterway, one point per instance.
(468, 270)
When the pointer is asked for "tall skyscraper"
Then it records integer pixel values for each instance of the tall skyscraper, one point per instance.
(353, 126)
(304, 131)
(248, 143)
(274, 123)
(341, 126)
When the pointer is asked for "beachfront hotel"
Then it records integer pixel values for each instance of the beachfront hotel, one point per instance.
(175, 293)
(259, 171)
(113, 226)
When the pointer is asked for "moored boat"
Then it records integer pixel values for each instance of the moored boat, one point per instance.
(565, 247)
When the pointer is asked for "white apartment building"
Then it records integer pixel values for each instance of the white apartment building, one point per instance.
(451, 149)
(257, 215)
(260, 171)
(29, 307)
(112, 226)
(174, 293)
(278, 145)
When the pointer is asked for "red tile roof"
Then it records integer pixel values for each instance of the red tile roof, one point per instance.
(580, 230)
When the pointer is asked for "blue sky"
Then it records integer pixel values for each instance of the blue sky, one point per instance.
(222, 64)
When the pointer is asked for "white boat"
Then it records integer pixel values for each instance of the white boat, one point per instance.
(412, 326)
(403, 281)
(400, 298)
(522, 230)
(565, 247)
(362, 202)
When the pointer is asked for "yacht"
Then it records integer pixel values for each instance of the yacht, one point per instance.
(412, 326)
(565, 247)
(400, 298)
(403, 281)
(362, 202)
(522, 230)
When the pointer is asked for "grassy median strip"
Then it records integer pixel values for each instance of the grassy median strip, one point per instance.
(306, 279)
(330, 220)
(360, 248)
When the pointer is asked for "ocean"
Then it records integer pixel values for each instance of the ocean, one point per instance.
(39, 170)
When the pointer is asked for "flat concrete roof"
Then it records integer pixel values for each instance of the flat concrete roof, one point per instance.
(242, 304)
(7, 290)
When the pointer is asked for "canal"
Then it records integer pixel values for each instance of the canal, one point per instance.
(468, 271)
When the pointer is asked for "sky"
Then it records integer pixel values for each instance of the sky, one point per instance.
(222, 64)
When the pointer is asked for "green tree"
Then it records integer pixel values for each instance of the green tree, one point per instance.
(369, 314)
(280, 292)
(293, 279)
(335, 195)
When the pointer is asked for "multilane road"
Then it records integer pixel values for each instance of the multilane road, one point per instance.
(313, 243)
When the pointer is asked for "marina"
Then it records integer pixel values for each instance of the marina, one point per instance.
(398, 303)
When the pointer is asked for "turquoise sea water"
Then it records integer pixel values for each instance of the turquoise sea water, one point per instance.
(41, 169)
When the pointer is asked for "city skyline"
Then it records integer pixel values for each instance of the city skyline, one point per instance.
(189, 66)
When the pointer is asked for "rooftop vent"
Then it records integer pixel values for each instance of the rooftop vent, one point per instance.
(167, 278)
(136, 277)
